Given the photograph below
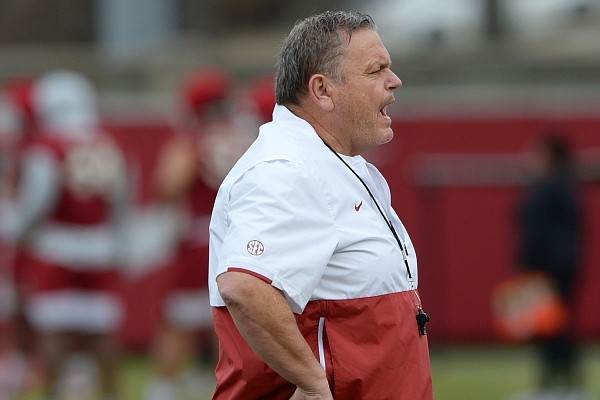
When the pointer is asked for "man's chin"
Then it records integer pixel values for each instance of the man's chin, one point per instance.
(387, 136)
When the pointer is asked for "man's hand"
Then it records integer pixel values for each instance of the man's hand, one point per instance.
(265, 320)
(325, 394)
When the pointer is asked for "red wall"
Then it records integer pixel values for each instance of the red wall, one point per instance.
(464, 235)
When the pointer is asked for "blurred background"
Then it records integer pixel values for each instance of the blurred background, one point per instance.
(482, 81)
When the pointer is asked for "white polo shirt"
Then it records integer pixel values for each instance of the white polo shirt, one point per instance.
(291, 213)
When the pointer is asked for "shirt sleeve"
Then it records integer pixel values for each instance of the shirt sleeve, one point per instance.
(281, 228)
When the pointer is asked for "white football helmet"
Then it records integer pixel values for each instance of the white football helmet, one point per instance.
(66, 104)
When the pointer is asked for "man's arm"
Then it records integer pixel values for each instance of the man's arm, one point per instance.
(265, 320)
(36, 195)
(176, 170)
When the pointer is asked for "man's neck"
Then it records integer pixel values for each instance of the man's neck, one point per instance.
(334, 141)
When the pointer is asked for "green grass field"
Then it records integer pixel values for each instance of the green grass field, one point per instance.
(459, 373)
(497, 373)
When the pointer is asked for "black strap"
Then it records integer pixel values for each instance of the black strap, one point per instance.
(403, 249)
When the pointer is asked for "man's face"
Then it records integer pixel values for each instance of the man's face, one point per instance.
(360, 102)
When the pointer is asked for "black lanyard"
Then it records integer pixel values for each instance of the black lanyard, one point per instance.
(403, 249)
(422, 317)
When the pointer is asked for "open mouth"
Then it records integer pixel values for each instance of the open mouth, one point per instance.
(383, 112)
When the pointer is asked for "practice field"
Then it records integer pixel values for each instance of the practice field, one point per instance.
(466, 373)
(499, 373)
(459, 373)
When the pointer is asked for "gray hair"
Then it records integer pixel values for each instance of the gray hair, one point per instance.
(314, 46)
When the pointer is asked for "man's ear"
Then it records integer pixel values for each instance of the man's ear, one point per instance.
(320, 89)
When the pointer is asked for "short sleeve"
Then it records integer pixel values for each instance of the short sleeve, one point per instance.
(280, 227)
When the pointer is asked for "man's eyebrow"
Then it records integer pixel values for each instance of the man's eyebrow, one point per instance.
(382, 63)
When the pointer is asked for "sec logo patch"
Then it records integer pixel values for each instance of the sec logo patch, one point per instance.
(255, 247)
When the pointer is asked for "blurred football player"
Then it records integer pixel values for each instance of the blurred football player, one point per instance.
(17, 125)
(66, 213)
(216, 126)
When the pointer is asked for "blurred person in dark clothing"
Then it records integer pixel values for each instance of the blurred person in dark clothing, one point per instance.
(550, 243)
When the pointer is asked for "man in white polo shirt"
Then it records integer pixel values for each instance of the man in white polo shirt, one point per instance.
(313, 277)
